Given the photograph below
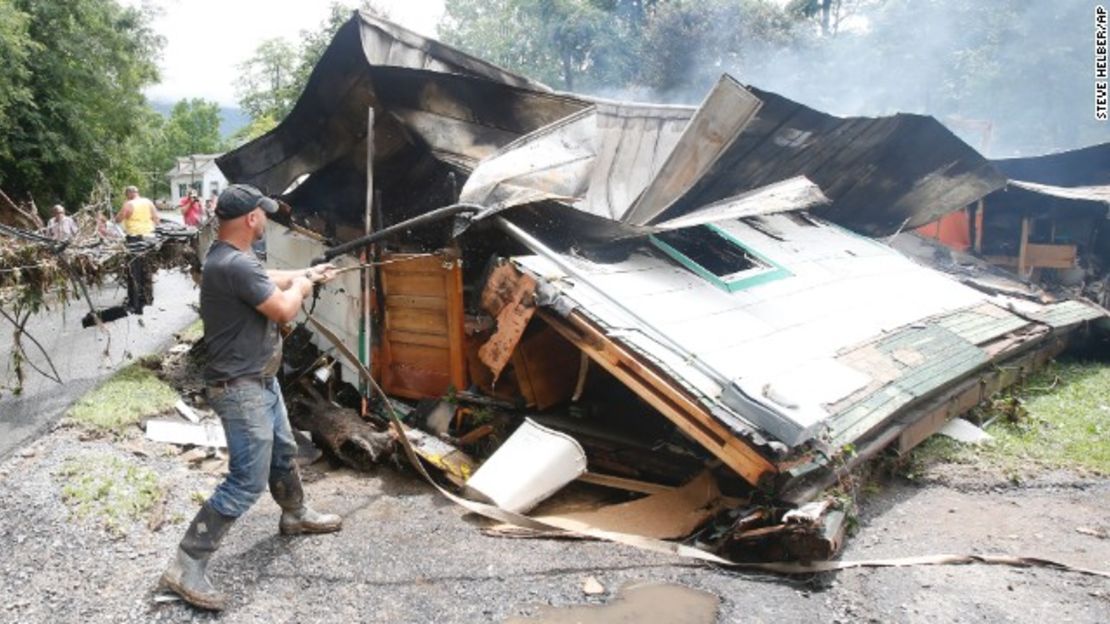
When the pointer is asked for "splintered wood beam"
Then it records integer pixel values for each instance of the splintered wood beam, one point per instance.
(675, 404)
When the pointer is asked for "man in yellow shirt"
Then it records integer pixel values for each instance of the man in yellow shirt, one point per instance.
(138, 216)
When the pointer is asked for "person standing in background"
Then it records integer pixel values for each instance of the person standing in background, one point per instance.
(192, 212)
(61, 226)
(139, 217)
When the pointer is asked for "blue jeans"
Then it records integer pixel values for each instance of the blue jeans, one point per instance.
(260, 442)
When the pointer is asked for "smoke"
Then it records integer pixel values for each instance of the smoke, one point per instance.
(1011, 77)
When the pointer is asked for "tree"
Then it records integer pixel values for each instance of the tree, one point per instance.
(1022, 69)
(315, 42)
(193, 127)
(275, 76)
(688, 44)
(267, 87)
(256, 128)
(830, 15)
(16, 46)
(77, 77)
(570, 44)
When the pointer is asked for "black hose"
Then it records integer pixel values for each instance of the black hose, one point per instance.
(428, 217)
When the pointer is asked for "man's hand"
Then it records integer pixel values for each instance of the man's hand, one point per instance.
(321, 273)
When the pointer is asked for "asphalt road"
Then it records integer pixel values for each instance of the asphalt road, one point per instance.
(85, 357)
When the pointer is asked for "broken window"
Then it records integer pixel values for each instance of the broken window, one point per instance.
(718, 257)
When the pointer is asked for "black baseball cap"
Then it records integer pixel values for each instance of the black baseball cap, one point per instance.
(239, 199)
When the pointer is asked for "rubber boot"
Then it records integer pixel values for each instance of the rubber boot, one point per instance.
(296, 517)
(186, 575)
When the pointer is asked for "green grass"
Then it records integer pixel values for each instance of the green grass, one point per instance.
(1060, 418)
(130, 395)
(193, 332)
(110, 489)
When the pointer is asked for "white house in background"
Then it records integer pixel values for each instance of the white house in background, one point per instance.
(197, 171)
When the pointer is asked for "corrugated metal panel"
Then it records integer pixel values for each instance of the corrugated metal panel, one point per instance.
(339, 307)
(599, 160)
(1078, 193)
(726, 111)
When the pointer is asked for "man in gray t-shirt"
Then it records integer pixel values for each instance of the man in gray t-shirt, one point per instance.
(241, 304)
(240, 341)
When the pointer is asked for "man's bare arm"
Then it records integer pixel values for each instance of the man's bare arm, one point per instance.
(124, 212)
(284, 277)
(284, 304)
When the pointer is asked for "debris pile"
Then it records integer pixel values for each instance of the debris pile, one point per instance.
(699, 303)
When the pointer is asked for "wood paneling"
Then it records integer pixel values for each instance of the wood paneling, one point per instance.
(422, 350)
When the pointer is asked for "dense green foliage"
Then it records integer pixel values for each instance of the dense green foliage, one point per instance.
(73, 117)
(193, 127)
(1012, 77)
(71, 95)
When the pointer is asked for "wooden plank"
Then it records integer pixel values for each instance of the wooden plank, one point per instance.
(421, 321)
(624, 483)
(433, 358)
(456, 333)
(423, 349)
(1051, 256)
(416, 338)
(1023, 247)
(510, 296)
(1005, 261)
(675, 404)
(979, 218)
(411, 382)
(409, 283)
(415, 302)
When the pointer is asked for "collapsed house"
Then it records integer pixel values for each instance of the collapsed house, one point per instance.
(1050, 223)
(678, 289)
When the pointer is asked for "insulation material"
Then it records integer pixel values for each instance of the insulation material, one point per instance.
(674, 514)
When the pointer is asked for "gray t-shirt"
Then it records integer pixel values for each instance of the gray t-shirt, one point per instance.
(241, 341)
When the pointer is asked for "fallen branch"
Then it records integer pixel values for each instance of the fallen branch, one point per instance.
(20, 354)
(353, 440)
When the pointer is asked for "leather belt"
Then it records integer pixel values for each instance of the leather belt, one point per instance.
(239, 381)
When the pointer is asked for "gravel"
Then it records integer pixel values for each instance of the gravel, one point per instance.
(407, 555)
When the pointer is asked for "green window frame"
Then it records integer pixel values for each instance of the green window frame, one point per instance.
(766, 271)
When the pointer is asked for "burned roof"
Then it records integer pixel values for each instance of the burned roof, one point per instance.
(1088, 166)
(439, 110)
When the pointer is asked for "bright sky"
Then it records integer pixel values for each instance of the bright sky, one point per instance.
(206, 39)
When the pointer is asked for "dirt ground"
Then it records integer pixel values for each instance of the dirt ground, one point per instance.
(408, 555)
